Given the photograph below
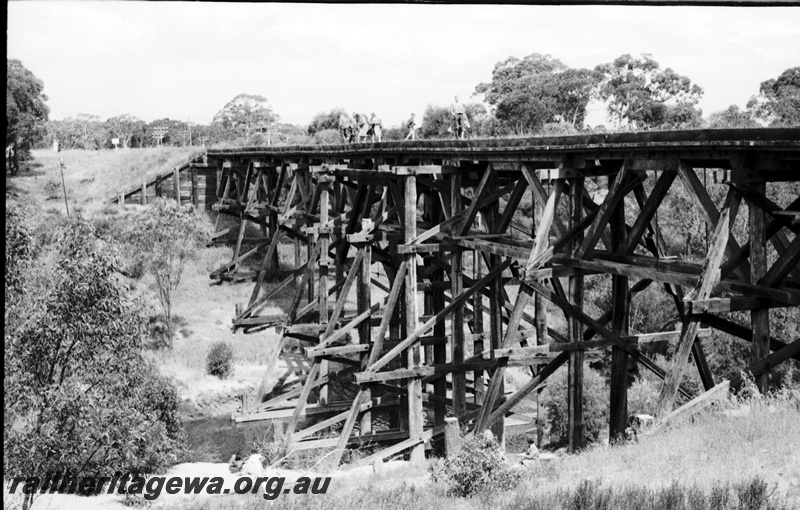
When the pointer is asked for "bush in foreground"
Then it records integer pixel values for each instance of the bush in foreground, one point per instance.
(478, 467)
(79, 397)
(220, 360)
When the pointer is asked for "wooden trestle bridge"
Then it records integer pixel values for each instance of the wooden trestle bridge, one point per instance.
(453, 276)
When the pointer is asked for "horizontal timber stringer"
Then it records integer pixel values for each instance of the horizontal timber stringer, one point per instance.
(418, 273)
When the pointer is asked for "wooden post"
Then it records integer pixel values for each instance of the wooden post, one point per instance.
(452, 436)
(540, 306)
(457, 323)
(341, 252)
(759, 318)
(415, 419)
(195, 194)
(702, 290)
(274, 186)
(144, 193)
(324, 262)
(364, 331)
(477, 318)
(176, 185)
(618, 413)
(496, 315)
(575, 330)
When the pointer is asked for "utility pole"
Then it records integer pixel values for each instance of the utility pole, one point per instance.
(159, 133)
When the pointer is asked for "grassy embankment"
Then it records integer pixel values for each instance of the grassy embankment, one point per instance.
(203, 311)
(753, 452)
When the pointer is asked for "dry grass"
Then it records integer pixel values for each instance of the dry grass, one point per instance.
(93, 176)
(758, 443)
(756, 439)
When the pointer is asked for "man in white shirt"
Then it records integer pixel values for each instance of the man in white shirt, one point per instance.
(412, 128)
(460, 122)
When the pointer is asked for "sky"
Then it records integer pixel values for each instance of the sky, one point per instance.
(186, 60)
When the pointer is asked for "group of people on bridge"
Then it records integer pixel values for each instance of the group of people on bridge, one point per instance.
(359, 128)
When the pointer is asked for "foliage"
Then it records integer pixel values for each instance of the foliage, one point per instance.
(79, 396)
(435, 122)
(26, 110)
(595, 412)
(244, 115)
(219, 361)
(538, 89)
(129, 129)
(438, 123)
(328, 136)
(19, 250)
(558, 129)
(326, 120)
(779, 99)
(163, 239)
(643, 396)
(732, 117)
(479, 466)
(84, 131)
(394, 134)
(644, 96)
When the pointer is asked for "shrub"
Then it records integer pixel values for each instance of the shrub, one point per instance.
(79, 395)
(478, 467)
(328, 136)
(220, 360)
(642, 396)
(595, 411)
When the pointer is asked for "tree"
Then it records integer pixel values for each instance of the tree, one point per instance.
(163, 239)
(26, 110)
(732, 117)
(79, 396)
(536, 90)
(245, 115)
(84, 131)
(91, 131)
(779, 99)
(326, 120)
(642, 95)
(437, 122)
(127, 128)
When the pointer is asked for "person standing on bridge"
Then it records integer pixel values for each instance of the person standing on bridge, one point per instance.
(346, 128)
(362, 126)
(412, 128)
(375, 127)
(460, 122)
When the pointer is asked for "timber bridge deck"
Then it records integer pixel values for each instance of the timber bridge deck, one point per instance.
(452, 252)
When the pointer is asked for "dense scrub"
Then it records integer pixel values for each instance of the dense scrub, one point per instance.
(79, 395)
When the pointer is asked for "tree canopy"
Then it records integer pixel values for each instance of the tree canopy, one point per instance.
(127, 128)
(79, 395)
(26, 110)
(538, 89)
(779, 100)
(326, 120)
(732, 117)
(643, 95)
(162, 240)
(245, 115)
